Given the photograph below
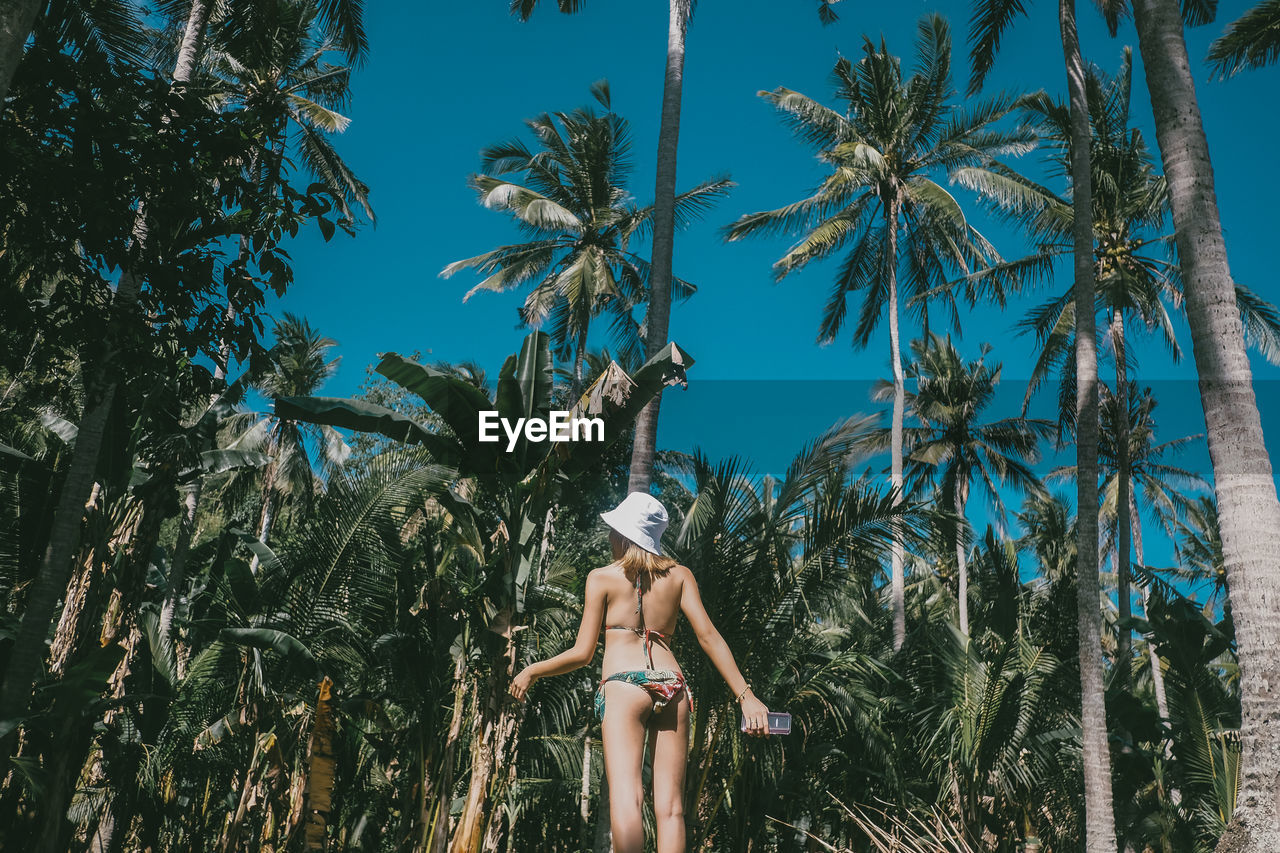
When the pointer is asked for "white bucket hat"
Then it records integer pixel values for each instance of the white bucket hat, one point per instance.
(641, 518)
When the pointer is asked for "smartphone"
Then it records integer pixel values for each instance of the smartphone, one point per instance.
(779, 723)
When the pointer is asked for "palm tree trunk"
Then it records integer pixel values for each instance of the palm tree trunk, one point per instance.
(603, 842)
(65, 764)
(578, 358)
(104, 834)
(1242, 473)
(264, 529)
(584, 798)
(26, 657)
(267, 516)
(1157, 674)
(962, 558)
(192, 41)
(544, 552)
(320, 775)
(17, 18)
(658, 313)
(178, 565)
(79, 609)
(231, 835)
(898, 556)
(121, 765)
(119, 625)
(222, 364)
(1124, 637)
(1100, 834)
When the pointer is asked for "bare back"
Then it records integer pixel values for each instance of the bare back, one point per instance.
(625, 650)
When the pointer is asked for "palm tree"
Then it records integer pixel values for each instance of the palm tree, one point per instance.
(658, 315)
(1251, 41)
(665, 217)
(956, 449)
(270, 65)
(298, 368)
(1143, 463)
(574, 203)
(1162, 485)
(662, 285)
(988, 26)
(895, 134)
(1198, 547)
(1130, 200)
(1134, 283)
(341, 21)
(1242, 472)
(112, 29)
(1129, 214)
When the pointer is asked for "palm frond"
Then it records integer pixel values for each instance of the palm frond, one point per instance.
(1251, 41)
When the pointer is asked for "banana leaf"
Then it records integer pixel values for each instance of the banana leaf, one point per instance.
(369, 417)
(617, 399)
(219, 460)
(524, 391)
(289, 647)
(16, 453)
(456, 401)
(61, 427)
(266, 557)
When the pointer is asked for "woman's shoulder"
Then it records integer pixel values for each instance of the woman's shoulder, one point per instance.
(614, 571)
(679, 573)
(606, 576)
(604, 571)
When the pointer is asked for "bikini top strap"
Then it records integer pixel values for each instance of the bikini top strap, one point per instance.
(648, 635)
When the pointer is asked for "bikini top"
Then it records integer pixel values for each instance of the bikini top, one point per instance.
(647, 633)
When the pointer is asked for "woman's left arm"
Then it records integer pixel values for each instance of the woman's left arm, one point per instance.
(582, 651)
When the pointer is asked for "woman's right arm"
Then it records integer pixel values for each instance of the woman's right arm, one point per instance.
(582, 651)
(757, 715)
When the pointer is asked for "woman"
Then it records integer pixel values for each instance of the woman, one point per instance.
(643, 695)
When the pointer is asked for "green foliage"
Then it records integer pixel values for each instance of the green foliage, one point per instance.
(896, 135)
(574, 205)
(415, 576)
(1252, 41)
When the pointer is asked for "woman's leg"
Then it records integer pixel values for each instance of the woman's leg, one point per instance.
(622, 735)
(670, 733)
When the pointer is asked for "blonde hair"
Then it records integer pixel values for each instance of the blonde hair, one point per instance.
(635, 559)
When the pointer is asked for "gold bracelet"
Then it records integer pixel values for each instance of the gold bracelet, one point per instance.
(745, 691)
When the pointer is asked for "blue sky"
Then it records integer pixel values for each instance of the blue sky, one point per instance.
(446, 79)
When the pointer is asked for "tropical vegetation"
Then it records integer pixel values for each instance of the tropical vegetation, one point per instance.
(239, 614)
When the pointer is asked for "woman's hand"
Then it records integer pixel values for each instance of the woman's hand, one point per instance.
(756, 715)
(522, 682)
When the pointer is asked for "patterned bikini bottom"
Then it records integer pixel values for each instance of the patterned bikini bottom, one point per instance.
(663, 686)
